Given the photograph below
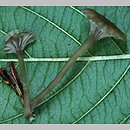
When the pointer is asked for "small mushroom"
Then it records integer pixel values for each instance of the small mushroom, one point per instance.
(15, 42)
(100, 27)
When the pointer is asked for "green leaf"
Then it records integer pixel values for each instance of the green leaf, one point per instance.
(92, 91)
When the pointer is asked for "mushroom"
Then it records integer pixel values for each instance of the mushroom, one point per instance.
(100, 27)
(15, 42)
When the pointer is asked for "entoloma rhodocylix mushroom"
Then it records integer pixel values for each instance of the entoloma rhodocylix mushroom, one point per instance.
(16, 42)
(100, 27)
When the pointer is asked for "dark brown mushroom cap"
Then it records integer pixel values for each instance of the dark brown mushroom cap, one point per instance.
(106, 26)
(17, 41)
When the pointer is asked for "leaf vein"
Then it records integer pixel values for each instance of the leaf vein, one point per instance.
(52, 23)
(104, 97)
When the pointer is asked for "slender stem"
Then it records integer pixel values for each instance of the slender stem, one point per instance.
(25, 83)
(39, 98)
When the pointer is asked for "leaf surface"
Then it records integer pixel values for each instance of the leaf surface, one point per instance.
(91, 92)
